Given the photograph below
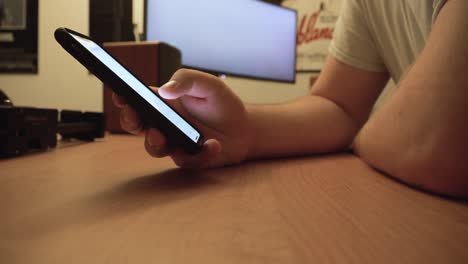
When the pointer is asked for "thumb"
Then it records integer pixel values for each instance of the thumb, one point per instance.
(192, 83)
(173, 90)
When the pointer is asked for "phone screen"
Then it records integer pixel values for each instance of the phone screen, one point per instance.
(139, 87)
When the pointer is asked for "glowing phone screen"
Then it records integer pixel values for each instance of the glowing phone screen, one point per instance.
(139, 87)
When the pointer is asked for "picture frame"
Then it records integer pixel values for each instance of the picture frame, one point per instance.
(13, 14)
(19, 29)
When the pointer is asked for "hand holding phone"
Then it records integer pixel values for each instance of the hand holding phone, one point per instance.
(149, 105)
(206, 102)
(210, 105)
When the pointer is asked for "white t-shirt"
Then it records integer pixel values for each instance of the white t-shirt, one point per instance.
(383, 35)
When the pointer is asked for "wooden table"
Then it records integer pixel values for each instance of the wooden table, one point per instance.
(109, 202)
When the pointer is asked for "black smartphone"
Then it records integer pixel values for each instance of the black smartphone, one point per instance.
(152, 109)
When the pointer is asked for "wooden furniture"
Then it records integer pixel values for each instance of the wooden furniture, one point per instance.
(109, 202)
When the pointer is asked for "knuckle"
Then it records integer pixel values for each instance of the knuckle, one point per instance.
(118, 101)
(131, 127)
(182, 71)
(124, 120)
(128, 115)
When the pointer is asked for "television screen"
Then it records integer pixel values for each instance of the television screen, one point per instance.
(246, 38)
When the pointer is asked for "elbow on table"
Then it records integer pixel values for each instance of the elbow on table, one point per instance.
(441, 170)
(441, 173)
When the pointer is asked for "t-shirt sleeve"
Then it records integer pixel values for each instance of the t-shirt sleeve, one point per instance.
(437, 6)
(352, 41)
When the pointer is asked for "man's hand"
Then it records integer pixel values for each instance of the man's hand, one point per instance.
(207, 103)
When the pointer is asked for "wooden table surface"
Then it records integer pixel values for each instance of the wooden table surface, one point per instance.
(109, 202)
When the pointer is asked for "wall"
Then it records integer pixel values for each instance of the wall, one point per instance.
(138, 14)
(61, 83)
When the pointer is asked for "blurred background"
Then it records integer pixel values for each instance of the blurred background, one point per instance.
(53, 79)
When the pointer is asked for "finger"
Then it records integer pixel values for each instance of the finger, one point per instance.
(207, 158)
(130, 121)
(156, 144)
(118, 101)
(192, 83)
(173, 90)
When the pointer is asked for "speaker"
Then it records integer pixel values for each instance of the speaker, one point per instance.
(153, 63)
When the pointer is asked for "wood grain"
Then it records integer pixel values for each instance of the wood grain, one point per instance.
(109, 202)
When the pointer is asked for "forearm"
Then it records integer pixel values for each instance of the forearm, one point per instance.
(311, 124)
(420, 135)
(420, 138)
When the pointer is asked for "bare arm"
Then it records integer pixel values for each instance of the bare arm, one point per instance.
(327, 120)
(420, 135)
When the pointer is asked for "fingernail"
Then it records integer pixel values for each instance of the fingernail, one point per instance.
(150, 139)
(126, 119)
(216, 148)
(125, 116)
(150, 142)
(169, 84)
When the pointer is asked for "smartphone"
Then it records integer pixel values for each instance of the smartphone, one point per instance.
(152, 109)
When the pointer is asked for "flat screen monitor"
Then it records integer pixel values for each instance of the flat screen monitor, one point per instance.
(246, 38)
